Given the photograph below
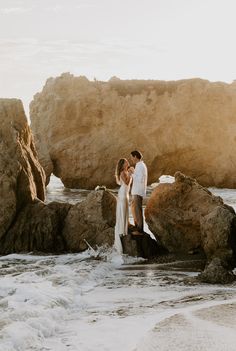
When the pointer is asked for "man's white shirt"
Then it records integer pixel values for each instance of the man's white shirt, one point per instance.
(139, 186)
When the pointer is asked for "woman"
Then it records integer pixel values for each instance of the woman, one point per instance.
(123, 178)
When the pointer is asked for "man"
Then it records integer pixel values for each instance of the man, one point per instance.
(138, 190)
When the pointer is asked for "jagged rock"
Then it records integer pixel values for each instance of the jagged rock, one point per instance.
(61, 227)
(217, 232)
(82, 128)
(22, 178)
(217, 273)
(91, 222)
(186, 217)
(140, 245)
(38, 227)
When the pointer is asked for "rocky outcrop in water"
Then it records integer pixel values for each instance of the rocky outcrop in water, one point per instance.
(186, 218)
(27, 224)
(22, 179)
(141, 245)
(62, 227)
(216, 271)
(37, 228)
(91, 222)
(82, 128)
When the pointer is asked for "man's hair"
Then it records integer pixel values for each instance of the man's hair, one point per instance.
(137, 154)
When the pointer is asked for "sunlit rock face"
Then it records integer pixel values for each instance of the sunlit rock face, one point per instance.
(185, 217)
(22, 179)
(82, 128)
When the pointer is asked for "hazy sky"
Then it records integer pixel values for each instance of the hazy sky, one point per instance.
(142, 39)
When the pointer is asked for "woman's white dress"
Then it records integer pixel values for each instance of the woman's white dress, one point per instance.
(122, 215)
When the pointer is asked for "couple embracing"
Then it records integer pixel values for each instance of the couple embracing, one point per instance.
(136, 179)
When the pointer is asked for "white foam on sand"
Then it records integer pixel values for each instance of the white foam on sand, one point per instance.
(94, 302)
(196, 328)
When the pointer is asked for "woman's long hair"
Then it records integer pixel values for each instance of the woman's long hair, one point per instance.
(119, 169)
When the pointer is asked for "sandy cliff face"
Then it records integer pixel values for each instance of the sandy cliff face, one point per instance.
(82, 128)
(22, 178)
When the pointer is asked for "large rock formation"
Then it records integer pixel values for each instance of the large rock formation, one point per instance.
(185, 217)
(62, 227)
(82, 128)
(91, 222)
(28, 224)
(22, 179)
(37, 228)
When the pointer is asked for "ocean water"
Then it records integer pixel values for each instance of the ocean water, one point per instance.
(100, 301)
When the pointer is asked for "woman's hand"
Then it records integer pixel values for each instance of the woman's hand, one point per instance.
(131, 170)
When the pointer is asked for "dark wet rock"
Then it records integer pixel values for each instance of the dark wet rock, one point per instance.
(216, 272)
(38, 227)
(141, 245)
(91, 222)
(217, 230)
(61, 227)
(180, 262)
(130, 246)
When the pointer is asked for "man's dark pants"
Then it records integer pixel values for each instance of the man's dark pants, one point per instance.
(137, 211)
